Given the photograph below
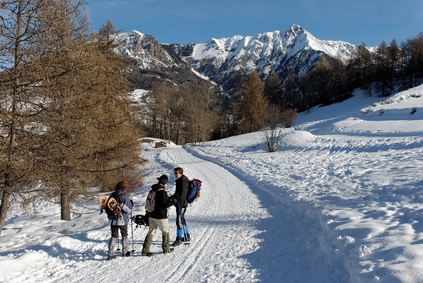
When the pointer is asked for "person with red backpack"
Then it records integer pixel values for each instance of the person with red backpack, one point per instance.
(158, 216)
(182, 185)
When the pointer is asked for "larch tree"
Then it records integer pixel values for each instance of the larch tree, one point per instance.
(180, 113)
(161, 107)
(414, 54)
(384, 72)
(359, 69)
(65, 117)
(199, 112)
(21, 107)
(89, 124)
(253, 105)
(120, 120)
(63, 50)
(273, 90)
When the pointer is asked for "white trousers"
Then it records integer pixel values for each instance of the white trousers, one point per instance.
(162, 224)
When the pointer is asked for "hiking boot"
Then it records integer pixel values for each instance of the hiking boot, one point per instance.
(168, 251)
(186, 238)
(146, 246)
(177, 243)
(111, 257)
(126, 254)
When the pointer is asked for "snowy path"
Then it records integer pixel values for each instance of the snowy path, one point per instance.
(291, 247)
(216, 223)
(235, 239)
(242, 242)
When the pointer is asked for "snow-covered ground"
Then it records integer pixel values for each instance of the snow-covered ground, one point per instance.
(340, 201)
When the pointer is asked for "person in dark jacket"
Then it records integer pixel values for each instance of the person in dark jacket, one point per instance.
(120, 221)
(182, 183)
(159, 217)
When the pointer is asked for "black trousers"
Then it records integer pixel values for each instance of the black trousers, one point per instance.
(115, 230)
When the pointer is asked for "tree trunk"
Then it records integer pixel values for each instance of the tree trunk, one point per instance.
(4, 207)
(65, 205)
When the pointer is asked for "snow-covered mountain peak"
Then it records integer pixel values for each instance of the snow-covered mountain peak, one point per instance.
(297, 39)
(219, 58)
(144, 48)
(267, 52)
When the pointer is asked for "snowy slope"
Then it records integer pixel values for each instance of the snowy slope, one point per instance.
(340, 201)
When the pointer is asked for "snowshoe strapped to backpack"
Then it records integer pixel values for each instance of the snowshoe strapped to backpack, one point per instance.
(110, 205)
(140, 219)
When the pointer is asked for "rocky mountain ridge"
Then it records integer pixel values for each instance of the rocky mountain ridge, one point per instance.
(224, 61)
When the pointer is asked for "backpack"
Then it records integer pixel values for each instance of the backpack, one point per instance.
(110, 205)
(150, 201)
(194, 188)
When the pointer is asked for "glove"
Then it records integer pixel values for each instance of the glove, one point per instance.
(175, 196)
(173, 200)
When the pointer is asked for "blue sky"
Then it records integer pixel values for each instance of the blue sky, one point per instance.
(196, 21)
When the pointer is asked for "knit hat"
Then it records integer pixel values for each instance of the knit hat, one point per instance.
(163, 179)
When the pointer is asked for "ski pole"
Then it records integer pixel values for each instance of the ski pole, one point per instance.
(184, 224)
(185, 234)
(132, 235)
(186, 242)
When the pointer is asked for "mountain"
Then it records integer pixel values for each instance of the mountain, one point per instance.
(151, 62)
(223, 61)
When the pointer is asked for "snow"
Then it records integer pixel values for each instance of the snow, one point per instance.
(340, 201)
(268, 50)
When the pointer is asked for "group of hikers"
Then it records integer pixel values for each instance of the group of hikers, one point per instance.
(158, 218)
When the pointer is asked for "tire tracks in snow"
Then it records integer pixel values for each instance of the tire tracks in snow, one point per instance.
(294, 247)
(219, 221)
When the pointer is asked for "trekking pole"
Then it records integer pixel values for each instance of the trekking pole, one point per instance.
(186, 242)
(132, 235)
